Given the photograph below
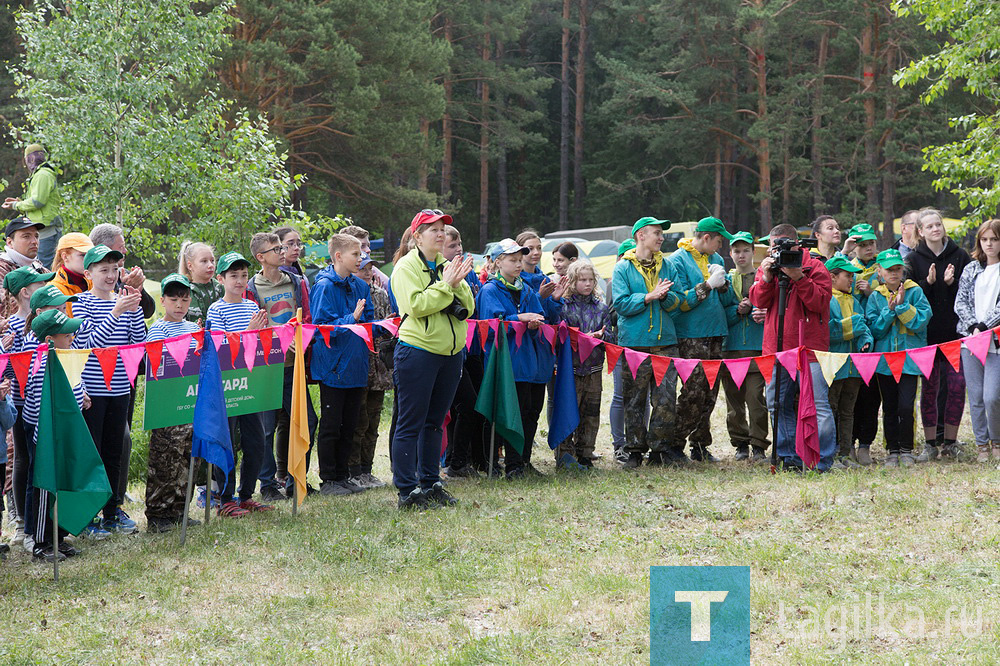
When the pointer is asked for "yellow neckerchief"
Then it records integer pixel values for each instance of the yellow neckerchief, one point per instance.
(700, 260)
(737, 279)
(884, 290)
(650, 274)
(867, 272)
(846, 302)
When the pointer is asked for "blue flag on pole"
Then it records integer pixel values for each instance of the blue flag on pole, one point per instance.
(565, 412)
(211, 440)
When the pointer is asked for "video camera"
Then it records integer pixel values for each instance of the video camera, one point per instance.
(787, 252)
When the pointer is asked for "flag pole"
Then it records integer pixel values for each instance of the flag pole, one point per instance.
(187, 500)
(493, 435)
(295, 497)
(55, 538)
(208, 494)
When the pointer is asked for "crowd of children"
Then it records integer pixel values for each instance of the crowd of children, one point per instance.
(682, 304)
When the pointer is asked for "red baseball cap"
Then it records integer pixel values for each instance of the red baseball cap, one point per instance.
(429, 216)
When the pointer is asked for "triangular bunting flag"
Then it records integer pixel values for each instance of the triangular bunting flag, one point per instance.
(789, 359)
(250, 339)
(830, 363)
(154, 350)
(738, 369)
(484, 332)
(519, 328)
(613, 352)
(308, 331)
(585, 345)
(21, 364)
(660, 366)
(3, 363)
(549, 331)
(40, 351)
(470, 333)
(953, 352)
(979, 345)
(266, 340)
(286, 334)
(132, 356)
(685, 366)
(233, 338)
(178, 348)
(766, 366)
(711, 368)
(634, 360)
(218, 337)
(199, 340)
(866, 365)
(325, 332)
(73, 362)
(363, 333)
(494, 325)
(924, 359)
(895, 360)
(107, 357)
(392, 325)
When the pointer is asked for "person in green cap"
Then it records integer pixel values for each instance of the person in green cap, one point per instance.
(616, 415)
(41, 201)
(862, 240)
(848, 333)
(898, 313)
(645, 300)
(745, 339)
(701, 328)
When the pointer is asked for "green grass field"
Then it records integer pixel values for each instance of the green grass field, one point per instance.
(869, 566)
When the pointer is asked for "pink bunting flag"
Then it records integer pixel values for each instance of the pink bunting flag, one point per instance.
(549, 331)
(131, 356)
(470, 333)
(979, 345)
(37, 361)
(391, 325)
(924, 358)
(178, 348)
(789, 359)
(495, 327)
(286, 334)
(250, 340)
(361, 332)
(519, 328)
(866, 365)
(585, 345)
(685, 366)
(634, 359)
(3, 363)
(738, 368)
(563, 331)
(218, 337)
(308, 331)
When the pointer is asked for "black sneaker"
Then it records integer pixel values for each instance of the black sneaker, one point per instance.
(742, 451)
(46, 554)
(702, 454)
(160, 525)
(272, 494)
(515, 473)
(464, 472)
(656, 459)
(67, 549)
(4, 549)
(438, 495)
(415, 501)
(675, 456)
(634, 460)
(334, 488)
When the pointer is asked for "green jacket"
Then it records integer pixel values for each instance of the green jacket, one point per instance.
(40, 203)
(422, 298)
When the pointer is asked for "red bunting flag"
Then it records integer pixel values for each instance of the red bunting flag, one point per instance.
(766, 366)
(484, 332)
(199, 340)
(108, 358)
(953, 352)
(21, 363)
(234, 347)
(660, 366)
(325, 332)
(711, 368)
(895, 360)
(154, 350)
(613, 352)
(265, 342)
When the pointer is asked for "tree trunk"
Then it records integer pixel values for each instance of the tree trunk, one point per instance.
(484, 152)
(503, 194)
(425, 132)
(816, 154)
(581, 60)
(786, 185)
(717, 208)
(758, 64)
(446, 125)
(889, 169)
(564, 122)
(868, 45)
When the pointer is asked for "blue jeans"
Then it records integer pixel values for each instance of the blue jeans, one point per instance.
(47, 248)
(788, 416)
(251, 430)
(425, 387)
(269, 466)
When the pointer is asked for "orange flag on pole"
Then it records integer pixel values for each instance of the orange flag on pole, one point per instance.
(298, 431)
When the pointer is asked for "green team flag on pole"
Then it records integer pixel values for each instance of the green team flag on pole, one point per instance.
(497, 399)
(66, 461)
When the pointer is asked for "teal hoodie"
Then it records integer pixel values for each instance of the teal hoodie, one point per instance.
(900, 328)
(639, 324)
(699, 319)
(744, 333)
(848, 330)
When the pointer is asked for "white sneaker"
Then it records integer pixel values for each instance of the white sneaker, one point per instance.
(28, 544)
(18, 533)
(373, 481)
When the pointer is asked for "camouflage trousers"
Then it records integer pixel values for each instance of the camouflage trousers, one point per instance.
(366, 433)
(660, 434)
(696, 400)
(588, 400)
(166, 481)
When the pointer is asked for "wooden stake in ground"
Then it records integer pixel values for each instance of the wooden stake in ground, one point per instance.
(187, 500)
(208, 494)
(55, 537)
(493, 437)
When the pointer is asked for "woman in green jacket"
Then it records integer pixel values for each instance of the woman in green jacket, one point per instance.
(41, 201)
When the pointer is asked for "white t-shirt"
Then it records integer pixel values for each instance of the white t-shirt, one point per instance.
(987, 291)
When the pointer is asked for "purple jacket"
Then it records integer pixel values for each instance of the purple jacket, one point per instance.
(588, 314)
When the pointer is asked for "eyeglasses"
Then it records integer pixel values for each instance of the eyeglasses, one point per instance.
(277, 250)
(431, 211)
(292, 244)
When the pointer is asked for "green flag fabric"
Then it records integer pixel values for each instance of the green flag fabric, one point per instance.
(497, 399)
(66, 460)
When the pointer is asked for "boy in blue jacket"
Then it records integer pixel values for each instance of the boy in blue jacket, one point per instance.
(506, 296)
(701, 328)
(745, 339)
(848, 333)
(340, 297)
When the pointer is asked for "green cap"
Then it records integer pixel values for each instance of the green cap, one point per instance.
(864, 232)
(53, 322)
(889, 258)
(230, 260)
(625, 246)
(714, 225)
(741, 237)
(20, 278)
(100, 253)
(648, 221)
(175, 277)
(48, 296)
(841, 264)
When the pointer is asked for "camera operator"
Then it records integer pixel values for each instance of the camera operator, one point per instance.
(806, 322)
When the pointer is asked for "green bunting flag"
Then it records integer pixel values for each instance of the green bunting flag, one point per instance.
(66, 460)
(497, 399)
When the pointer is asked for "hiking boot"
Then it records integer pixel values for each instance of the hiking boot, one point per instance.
(272, 494)
(675, 456)
(906, 459)
(438, 495)
(415, 501)
(656, 458)
(930, 452)
(702, 454)
(983, 456)
(160, 525)
(892, 460)
(864, 456)
(758, 455)
(334, 488)
(634, 461)
(742, 451)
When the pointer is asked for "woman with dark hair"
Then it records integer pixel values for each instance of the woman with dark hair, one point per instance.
(826, 230)
(41, 201)
(564, 255)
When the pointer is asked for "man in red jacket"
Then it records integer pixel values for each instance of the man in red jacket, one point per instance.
(807, 315)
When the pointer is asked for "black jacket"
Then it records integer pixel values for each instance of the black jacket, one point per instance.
(941, 295)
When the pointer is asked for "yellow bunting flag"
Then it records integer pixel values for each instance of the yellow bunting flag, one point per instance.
(830, 363)
(73, 362)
